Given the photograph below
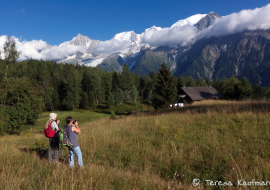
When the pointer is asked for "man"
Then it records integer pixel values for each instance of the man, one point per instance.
(73, 130)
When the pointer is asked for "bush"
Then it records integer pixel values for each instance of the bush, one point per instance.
(113, 115)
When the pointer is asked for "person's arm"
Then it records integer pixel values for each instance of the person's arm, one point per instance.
(58, 121)
(76, 128)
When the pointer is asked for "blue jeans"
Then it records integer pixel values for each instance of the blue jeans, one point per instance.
(78, 152)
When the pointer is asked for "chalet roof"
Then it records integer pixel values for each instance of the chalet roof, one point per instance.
(201, 93)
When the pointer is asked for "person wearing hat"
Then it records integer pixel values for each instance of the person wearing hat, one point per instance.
(53, 141)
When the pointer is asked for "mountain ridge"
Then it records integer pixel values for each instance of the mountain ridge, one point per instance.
(131, 43)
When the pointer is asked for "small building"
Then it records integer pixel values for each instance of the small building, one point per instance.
(193, 94)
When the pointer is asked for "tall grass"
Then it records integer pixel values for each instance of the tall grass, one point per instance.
(219, 141)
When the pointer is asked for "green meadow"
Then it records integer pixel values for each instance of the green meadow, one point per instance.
(166, 149)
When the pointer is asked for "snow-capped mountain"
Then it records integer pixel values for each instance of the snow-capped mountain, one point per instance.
(192, 20)
(127, 45)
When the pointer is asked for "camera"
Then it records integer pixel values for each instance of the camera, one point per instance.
(74, 122)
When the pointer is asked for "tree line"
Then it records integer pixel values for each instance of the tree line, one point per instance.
(31, 86)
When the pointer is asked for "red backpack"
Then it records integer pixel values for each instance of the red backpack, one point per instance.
(48, 132)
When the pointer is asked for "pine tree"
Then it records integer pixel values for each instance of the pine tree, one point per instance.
(84, 103)
(217, 84)
(200, 82)
(126, 80)
(119, 96)
(134, 94)
(165, 91)
(110, 99)
(207, 82)
(190, 82)
(180, 84)
(115, 82)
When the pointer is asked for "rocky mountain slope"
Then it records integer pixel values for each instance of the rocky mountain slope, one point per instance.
(244, 54)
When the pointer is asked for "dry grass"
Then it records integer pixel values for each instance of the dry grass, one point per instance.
(219, 141)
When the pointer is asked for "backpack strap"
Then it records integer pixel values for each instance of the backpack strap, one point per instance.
(51, 125)
(51, 122)
(48, 124)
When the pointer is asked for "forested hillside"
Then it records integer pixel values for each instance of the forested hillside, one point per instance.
(32, 86)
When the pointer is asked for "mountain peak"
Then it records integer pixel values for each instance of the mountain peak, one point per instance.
(207, 21)
(80, 40)
(125, 36)
(153, 28)
(192, 20)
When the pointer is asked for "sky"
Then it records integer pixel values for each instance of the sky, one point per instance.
(57, 21)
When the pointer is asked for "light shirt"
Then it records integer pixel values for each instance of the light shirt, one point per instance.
(54, 125)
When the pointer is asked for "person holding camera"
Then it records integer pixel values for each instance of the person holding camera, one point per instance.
(73, 130)
(53, 141)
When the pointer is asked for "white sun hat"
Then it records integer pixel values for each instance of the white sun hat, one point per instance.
(53, 115)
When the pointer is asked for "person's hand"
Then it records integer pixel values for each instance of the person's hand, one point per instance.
(76, 123)
(58, 121)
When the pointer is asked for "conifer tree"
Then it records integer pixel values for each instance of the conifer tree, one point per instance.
(115, 82)
(84, 103)
(134, 94)
(110, 99)
(180, 84)
(207, 82)
(190, 82)
(119, 96)
(200, 82)
(165, 91)
(126, 80)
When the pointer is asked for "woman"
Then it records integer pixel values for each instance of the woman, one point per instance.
(54, 141)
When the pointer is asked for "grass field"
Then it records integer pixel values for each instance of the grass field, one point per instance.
(214, 140)
(82, 116)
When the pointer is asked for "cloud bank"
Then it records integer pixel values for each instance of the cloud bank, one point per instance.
(111, 46)
(38, 49)
(178, 35)
(255, 19)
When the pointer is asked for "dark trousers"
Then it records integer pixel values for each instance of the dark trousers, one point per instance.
(54, 145)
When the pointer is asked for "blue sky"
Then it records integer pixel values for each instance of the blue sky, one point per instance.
(56, 21)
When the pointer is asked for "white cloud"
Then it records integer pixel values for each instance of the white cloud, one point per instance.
(255, 19)
(111, 46)
(39, 49)
(258, 18)
(182, 35)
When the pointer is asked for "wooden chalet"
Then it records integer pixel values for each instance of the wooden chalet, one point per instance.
(193, 94)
